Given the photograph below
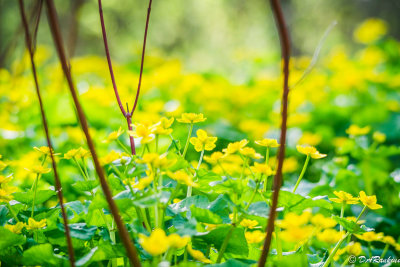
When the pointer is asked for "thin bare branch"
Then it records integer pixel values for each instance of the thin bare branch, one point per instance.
(57, 181)
(123, 233)
(285, 47)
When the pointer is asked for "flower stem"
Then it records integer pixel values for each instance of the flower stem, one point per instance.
(302, 173)
(341, 215)
(335, 249)
(361, 213)
(34, 193)
(187, 140)
(189, 190)
(253, 195)
(12, 212)
(385, 250)
(225, 243)
(124, 147)
(278, 243)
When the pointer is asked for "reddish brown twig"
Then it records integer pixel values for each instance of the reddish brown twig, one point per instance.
(123, 233)
(126, 113)
(285, 47)
(30, 47)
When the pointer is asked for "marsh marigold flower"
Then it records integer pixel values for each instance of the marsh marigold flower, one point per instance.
(370, 30)
(235, 147)
(329, 236)
(379, 137)
(113, 135)
(250, 153)
(155, 244)
(369, 201)
(246, 223)
(355, 130)
(267, 142)
(343, 197)
(78, 153)
(34, 225)
(16, 228)
(176, 241)
(254, 236)
(39, 169)
(191, 118)
(197, 254)
(112, 156)
(310, 151)
(142, 131)
(183, 178)
(354, 248)
(370, 236)
(203, 141)
(214, 158)
(163, 126)
(144, 182)
(45, 150)
(262, 168)
(321, 221)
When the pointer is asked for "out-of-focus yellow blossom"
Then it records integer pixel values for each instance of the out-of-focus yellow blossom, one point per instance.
(16, 228)
(3, 165)
(379, 137)
(254, 236)
(297, 234)
(321, 221)
(154, 160)
(290, 164)
(144, 182)
(370, 30)
(142, 131)
(197, 254)
(354, 219)
(4, 179)
(45, 150)
(203, 141)
(6, 193)
(163, 126)
(176, 241)
(39, 169)
(78, 153)
(310, 151)
(310, 139)
(338, 253)
(214, 158)
(268, 142)
(369, 201)
(343, 197)
(191, 118)
(329, 236)
(112, 156)
(389, 240)
(250, 153)
(262, 168)
(113, 135)
(249, 223)
(34, 225)
(293, 220)
(355, 130)
(236, 146)
(370, 236)
(182, 177)
(155, 244)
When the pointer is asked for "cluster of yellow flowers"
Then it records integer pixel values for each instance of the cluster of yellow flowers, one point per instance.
(32, 225)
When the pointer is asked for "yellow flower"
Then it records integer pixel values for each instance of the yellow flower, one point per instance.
(16, 228)
(112, 156)
(344, 197)
(246, 223)
(156, 161)
(45, 150)
(203, 141)
(3, 165)
(34, 225)
(214, 158)
(142, 131)
(389, 240)
(268, 142)
(354, 248)
(370, 236)
(329, 236)
(236, 146)
(113, 135)
(355, 130)
(370, 30)
(144, 182)
(369, 201)
(379, 137)
(39, 169)
(6, 193)
(354, 219)
(293, 220)
(197, 254)
(155, 244)
(262, 168)
(310, 138)
(250, 153)
(191, 118)
(176, 241)
(320, 221)
(4, 180)
(310, 151)
(77, 153)
(254, 236)
(182, 177)
(297, 234)
(163, 126)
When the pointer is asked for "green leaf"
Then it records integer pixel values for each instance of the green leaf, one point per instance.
(9, 239)
(85, 186)
(351, 226)
(27, 197)
(204, 215)
(3, 214)
(184, 205)
(297, 203)
(102, 252)
(41, 255)
(80, 230)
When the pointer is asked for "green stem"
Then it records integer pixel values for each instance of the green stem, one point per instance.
(335, 249)
(267, 156)
(123, 147)
(361, 213)
(278, 242)
(12, 212)
(187, 140)
(341, 215)
(34, 194)
(189, 190)
(225, 243)
(345, 262)
(175, 145)
(253, 195)
(302, 173)
(385, 250)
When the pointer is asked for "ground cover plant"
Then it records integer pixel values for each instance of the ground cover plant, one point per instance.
(283, 170)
